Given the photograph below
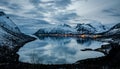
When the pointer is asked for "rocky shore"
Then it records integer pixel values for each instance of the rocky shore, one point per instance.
(110, 61)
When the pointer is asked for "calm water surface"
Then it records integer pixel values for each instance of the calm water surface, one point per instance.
(58, 50)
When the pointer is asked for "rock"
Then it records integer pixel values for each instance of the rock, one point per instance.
(111, 59)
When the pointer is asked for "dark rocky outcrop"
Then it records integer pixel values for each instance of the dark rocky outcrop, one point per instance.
(110, 61)
(112, 58)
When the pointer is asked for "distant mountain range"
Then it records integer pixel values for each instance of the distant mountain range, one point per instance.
(31, 26)
(56, 29)
(91, 28)
(35, 26)
(88, 29)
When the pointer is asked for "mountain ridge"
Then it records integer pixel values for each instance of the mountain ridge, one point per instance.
(11, 39)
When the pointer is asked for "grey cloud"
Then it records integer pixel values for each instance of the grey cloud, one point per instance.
(62, 3)
(38, 10)
(35, 2)
(10, 5)
(3, 2)
(52, 4)
(2, 9)
(112, 12)
(14, 7)
(65, 16)
(45, 9)
(36, 13)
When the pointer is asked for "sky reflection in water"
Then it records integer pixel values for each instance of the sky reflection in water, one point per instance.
(58, 50)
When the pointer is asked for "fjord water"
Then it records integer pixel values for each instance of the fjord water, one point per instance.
(52, 50)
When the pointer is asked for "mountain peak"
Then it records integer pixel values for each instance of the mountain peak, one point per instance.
(116, 26)
(2, 13)
(92, 27)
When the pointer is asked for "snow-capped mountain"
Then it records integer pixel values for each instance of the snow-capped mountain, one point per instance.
(114, 31)
(91, 28)
(85, 29)
(117, 26)
(11, 38)
(56, 29)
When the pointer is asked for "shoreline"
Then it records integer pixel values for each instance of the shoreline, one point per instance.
(110, 61)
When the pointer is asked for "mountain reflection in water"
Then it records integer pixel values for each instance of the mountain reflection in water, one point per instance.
(58, 50)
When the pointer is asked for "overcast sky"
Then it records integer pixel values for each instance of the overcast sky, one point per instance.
(65, 11)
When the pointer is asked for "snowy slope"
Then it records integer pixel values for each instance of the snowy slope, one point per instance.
(61, 29)
(91, 28)
(85, 29)
(99, 27)
(9, 31)
(7, 23)
(11, 38)
(114, 31)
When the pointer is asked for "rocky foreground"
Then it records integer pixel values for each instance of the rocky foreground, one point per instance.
(110, 61)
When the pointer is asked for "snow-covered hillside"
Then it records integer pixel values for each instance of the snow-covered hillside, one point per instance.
(91, 28)
(85, 29)
(114, 31)
(11, 38)
(53, 29)
(6, 22)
